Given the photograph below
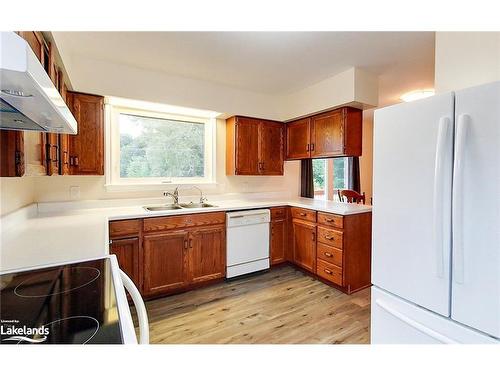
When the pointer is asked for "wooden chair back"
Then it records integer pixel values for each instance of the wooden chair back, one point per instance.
(351, 196)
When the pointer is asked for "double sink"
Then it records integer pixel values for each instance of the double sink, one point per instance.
(180, 206)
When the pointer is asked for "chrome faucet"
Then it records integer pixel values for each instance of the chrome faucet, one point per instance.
(174, 195)
(202, 198)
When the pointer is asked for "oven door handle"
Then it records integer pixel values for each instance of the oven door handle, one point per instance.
(142, 314)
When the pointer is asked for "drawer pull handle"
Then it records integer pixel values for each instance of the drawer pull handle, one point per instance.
(302, 214)
(329, 220)
(328, 271)
(328, 255)
(329, 237)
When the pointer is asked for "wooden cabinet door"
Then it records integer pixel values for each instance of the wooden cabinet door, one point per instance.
(271, 148)
(165, 262)
(86, 149)
(247, 146)
(298, 139)
(50, 153)
(63, 154)
(327, 134)
(11, 153)
(278, 240)
(304, 245)
(35, 41)
(127, 252)
(207, 254)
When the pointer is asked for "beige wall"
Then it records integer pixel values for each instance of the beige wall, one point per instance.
(16, 192)
(366, 160)
(465, 59)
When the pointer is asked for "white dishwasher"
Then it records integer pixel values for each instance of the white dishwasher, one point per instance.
(247, 241)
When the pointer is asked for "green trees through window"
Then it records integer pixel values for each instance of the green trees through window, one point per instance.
(322, 180)
(155, 147)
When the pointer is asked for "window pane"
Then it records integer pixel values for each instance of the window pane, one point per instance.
(319, 174)
(339, 166)
(154, 147)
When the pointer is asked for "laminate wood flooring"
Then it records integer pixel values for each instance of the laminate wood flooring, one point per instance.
(282, 306)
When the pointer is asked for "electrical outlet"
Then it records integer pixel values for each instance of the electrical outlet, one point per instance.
(74, 192)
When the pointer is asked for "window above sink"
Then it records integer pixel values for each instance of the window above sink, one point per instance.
(151, 146)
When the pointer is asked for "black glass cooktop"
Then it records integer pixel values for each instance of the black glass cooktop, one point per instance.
(69, 304)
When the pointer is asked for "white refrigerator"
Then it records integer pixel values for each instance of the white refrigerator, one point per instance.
(436, 219)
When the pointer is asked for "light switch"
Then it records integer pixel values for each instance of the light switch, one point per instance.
(74, 192)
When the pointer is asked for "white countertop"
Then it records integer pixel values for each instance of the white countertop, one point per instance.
(48, 233)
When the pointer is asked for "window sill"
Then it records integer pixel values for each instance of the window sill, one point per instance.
(153, 187)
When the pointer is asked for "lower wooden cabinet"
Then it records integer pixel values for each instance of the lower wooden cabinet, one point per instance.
(166, 255)
(165, 262)
(279, 235)
(207, 254)
(304, 244)
(278, 241)
(128, 255)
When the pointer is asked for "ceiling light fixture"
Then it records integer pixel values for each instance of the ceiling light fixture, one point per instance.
(416, 95)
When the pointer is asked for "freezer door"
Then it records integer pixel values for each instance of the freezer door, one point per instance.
(476, 209)
(395, 321)
(412, 174)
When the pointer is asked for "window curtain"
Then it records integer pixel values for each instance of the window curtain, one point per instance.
(306, 178)
(354, 174)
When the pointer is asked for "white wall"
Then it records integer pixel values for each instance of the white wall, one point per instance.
(366, 160)
(465, 59)
(16, 192)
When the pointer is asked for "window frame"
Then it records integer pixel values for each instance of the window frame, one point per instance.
(115, 182)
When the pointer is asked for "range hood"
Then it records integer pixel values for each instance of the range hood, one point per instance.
(28, 98)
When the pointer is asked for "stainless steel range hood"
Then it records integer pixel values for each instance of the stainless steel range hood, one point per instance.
(28, 98)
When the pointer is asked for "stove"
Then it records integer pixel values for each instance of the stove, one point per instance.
(67, 304)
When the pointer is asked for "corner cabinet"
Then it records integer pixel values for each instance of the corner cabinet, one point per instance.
(329, 134)
(254, 146)
(85, 153)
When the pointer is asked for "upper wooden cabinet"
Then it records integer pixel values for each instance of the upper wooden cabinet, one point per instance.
(86, 149)
(254, 146)
(329, 134)
(36, 42)
(11, 153)
(298, 139)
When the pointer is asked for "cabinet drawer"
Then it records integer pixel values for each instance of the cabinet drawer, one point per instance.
(329, 254)
(330, 237)
(330, 220)
(124, 228)
(278, 213)
(329, 272)
(304, 214)
(183, 221)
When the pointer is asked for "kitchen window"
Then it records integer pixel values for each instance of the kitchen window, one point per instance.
(149, 146)
(329, 175)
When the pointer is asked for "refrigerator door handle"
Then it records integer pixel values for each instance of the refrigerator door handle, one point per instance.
(457, 218)
(414, 324)
(440, 182)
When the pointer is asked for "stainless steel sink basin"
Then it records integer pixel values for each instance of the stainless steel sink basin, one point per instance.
(196, 205)
(165, 207)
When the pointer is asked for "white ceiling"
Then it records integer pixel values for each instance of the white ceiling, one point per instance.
(273, 63)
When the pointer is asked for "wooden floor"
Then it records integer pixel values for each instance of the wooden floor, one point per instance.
(282, 306)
